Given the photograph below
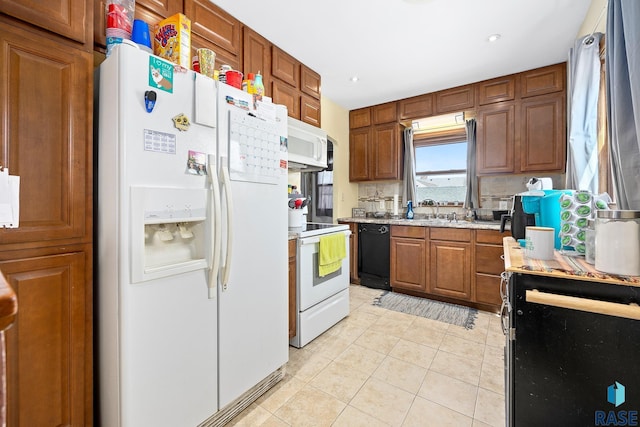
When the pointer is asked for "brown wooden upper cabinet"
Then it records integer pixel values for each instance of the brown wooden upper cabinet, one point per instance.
(542, 134)
(495, 138)
(47, 143)
(360, 118)
(416, 107)
(257, 57)
(215, 29)
(497, 90)
(309, 110)
(522, 137)
(455, 99)
(285, 67)
(543, 80)
(359, 153)
(67, 18)
(309, 82)
(375, 153)
(286, 95)
(385, 113)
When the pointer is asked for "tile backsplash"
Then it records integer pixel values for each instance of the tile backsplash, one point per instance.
(495, 192)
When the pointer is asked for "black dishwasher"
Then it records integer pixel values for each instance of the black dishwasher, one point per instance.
(373, 255)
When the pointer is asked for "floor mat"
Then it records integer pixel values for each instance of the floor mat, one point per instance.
(444, 312)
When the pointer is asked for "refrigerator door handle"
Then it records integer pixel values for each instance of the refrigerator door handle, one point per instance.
(216, 229)
(628, 311)
(226, 184)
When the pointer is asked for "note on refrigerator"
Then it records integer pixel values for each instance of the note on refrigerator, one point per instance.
(9, 199)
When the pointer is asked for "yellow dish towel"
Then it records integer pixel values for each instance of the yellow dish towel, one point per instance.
(332, 251)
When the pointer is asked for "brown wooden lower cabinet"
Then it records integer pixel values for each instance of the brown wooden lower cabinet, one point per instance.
(453, 264)
(451, 269)
(488, 266)
(292, 288)
(49, 347)
(409, 258)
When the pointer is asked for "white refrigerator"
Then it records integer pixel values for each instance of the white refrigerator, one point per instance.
(191, 259)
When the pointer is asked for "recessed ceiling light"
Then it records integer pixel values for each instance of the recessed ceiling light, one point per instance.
(493, 37)
(354, 79)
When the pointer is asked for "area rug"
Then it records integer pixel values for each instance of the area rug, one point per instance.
(435, 310)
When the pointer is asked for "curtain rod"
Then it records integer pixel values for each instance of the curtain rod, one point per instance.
(590, 39)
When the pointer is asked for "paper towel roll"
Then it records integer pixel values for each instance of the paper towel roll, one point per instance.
(395, 204)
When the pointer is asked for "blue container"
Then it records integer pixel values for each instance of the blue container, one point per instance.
(546, 209)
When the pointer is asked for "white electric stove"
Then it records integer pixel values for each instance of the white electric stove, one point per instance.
(321, 301)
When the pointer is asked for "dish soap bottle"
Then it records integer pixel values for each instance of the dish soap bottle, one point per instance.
(409, 210)
(258, 85)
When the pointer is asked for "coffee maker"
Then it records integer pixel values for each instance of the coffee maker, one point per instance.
(520, 220)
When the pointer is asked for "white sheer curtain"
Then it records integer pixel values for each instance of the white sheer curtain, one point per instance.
(584, 85)
(622, 60)
(409, 182)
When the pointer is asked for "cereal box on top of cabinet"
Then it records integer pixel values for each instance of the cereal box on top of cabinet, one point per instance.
(172, 40)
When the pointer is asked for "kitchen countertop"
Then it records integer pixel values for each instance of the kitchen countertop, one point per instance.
(482, 225)
(562, 266)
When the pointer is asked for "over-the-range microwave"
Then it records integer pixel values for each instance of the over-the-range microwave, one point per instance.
(307, 146)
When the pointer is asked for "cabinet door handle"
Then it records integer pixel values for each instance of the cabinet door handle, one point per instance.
(627, 311)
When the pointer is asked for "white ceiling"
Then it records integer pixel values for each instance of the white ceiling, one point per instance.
(402, 48)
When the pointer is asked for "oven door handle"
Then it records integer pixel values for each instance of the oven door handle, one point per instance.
(607, 308)
(314, 240)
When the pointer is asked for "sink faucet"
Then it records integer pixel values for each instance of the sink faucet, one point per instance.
(431, 203)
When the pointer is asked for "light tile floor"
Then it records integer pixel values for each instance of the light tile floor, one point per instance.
(382, 368)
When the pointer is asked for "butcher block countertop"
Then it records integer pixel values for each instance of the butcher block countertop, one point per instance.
(562, 266)
(481, 225)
